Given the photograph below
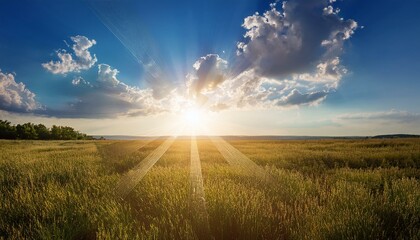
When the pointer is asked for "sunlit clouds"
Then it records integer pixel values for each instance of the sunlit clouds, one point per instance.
(289, 56)
(214, 67)
(80, 59)
(15, 96)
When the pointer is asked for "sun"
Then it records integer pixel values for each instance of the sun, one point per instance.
(193, 120)
(194, 117)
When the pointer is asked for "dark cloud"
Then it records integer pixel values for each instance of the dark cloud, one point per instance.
(290, 56)
(295, 40)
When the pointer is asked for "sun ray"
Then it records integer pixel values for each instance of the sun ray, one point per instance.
(236, 158)
(134, 176)
(198, 202)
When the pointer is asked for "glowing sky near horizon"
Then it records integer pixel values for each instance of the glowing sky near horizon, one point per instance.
(219, 67)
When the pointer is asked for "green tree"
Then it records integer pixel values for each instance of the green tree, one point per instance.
(39, 131)
(26, 131)
(56, 132)
(42, 131)
(7, 131)
(68, 133)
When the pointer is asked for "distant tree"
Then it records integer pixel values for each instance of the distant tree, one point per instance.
(26, 131)
(68, 133)
(39, 131)
(42, 131)
(56, 132)
(7, 131)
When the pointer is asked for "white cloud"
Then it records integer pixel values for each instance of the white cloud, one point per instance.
(81, 59)
(289, 57)
(15, 97)
(296, 98)
(79, 81)
(294, 40)
(248, 90)
(107, 76)
(108, 97)
(245, 90)
(209, 71)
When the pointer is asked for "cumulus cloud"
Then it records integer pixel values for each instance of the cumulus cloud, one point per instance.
(108, 97)
(244, 90)
(80, 81)
(14, 96)
(295, 39)
(209, 71)
(290, 56)
(297, 98)
(249, 90)
(80, 59)
(392, 115)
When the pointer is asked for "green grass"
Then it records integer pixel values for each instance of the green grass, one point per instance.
(326, 189)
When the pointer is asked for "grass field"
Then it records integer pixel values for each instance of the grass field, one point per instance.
(317, 189)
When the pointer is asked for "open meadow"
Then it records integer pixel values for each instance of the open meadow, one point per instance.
(209, 188)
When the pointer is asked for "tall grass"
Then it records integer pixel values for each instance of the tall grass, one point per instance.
(331, 189)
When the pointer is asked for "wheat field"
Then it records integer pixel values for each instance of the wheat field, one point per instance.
(309, 189)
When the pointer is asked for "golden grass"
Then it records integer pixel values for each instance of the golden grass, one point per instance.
(326, 189)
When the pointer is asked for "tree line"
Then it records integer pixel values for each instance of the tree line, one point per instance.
(39, 132)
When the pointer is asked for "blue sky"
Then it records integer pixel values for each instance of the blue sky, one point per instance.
(305, 68)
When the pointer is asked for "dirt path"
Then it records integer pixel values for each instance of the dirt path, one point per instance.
(199, 214)
(131, 179)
